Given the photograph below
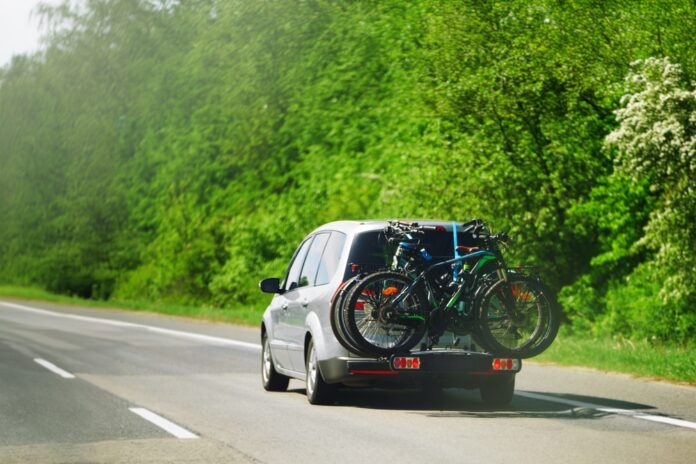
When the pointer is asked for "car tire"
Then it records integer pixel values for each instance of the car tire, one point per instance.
(270, 378)
(318, 391)
(498, 390)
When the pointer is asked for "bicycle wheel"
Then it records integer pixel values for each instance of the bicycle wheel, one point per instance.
(336, 316)
(526, 329)
(375, 323)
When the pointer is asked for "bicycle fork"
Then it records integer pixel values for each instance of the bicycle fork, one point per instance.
(508, 300)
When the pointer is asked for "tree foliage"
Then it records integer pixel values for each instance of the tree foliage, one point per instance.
(656, 144)
(178, 151)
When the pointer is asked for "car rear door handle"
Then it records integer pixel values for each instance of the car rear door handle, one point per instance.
(305, 302)
(284, 306)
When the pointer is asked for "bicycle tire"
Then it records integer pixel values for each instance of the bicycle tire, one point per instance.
(336, 317)
(525, 334)
(363, 315)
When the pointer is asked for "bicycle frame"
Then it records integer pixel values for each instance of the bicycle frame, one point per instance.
(423, 275)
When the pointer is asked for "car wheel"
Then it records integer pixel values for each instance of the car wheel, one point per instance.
(270, 378)
(498, 390)
(318, 391)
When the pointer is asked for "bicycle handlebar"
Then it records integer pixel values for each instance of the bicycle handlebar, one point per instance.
(501, 237)
(413, 227)
(476, 226)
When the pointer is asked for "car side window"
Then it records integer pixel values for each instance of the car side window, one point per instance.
(293, 277)
(329, 260)
(309, 270)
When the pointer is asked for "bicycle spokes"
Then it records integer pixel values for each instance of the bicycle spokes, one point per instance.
(378, 320)
(515, 317)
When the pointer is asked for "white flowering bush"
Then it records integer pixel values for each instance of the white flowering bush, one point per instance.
(657, 133)
(656, 142)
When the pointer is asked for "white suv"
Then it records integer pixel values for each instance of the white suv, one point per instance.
(298, 340)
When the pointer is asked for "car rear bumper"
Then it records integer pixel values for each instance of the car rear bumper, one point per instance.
(456, 368)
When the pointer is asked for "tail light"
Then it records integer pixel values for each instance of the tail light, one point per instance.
(505, 364)
(333, 297)
(406, 362)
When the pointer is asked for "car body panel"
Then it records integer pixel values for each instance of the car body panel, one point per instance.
(277, 337)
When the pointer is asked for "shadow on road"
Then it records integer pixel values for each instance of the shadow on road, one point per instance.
(604, 402)
(453, 403)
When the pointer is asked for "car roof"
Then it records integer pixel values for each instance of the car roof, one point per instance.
(357, 226)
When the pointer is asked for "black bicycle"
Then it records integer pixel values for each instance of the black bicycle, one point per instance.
(506, 311)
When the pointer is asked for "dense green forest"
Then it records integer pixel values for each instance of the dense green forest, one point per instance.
(178, 151)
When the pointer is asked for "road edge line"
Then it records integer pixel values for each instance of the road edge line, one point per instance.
(623, 412)
(150, 328)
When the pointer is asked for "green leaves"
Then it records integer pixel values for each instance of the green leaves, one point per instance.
(179, 151)
(656, 143)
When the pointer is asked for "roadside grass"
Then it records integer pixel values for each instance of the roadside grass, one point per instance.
(246, 315)
(639, 358)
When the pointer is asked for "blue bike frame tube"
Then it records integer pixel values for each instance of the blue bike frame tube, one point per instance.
(456, 269)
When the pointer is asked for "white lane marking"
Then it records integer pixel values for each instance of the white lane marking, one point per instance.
(207, 338)
(161, 422)
(53, 368)
(150, 328)
(68, 316)
(599, 407)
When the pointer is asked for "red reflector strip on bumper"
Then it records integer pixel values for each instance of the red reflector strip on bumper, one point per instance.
(371, 372)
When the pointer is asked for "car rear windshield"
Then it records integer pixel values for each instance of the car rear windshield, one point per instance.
(370, 250)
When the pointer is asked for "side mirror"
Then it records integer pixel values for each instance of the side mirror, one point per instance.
(271, 285)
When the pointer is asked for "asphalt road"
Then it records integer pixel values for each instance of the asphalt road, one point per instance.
(81, 386)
